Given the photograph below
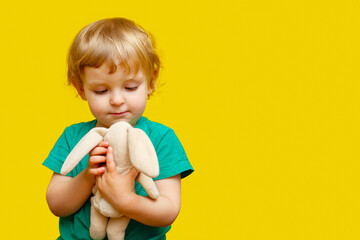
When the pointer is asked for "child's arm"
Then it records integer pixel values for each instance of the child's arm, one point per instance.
(65, 195)
(119, 191)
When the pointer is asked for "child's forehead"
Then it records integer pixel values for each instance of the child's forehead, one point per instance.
(128, 67)
(128, 71)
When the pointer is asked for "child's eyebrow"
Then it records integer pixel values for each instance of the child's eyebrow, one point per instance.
(96, 83)
(135, 77)
(130, 77)
(139, 75)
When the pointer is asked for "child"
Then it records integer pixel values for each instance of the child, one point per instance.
(113, 65)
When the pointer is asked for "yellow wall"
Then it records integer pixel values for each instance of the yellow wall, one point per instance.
(264, 96)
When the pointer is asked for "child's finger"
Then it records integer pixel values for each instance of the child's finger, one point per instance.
(103, 144)
(100, 149)
(133, 173)
(110, 163)
(97, 159)
(97, 171)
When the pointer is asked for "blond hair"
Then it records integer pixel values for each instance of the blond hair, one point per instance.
(109, 41)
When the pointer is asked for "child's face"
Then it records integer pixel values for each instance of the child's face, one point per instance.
(120, 96)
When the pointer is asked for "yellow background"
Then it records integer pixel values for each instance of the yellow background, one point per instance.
(264, 96)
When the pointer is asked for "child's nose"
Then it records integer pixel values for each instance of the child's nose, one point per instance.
(117, 99)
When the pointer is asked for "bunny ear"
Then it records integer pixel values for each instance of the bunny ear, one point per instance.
(84, 146)
(142, 153)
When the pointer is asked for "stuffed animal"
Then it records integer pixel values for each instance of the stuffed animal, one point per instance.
(132, 148)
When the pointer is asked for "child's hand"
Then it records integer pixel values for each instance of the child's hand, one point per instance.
(116, 188)
(97, 159)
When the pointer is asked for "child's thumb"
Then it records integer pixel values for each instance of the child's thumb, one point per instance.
(110, 163)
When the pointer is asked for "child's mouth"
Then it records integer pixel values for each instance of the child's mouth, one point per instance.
(118, 113)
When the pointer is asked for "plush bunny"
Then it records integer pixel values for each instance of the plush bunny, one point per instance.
(132, 148)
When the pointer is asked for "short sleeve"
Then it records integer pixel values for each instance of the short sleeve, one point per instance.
(59, 152)
(172, 157)
(63, 146)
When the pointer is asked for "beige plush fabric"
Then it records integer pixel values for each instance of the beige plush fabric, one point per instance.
(132, 148)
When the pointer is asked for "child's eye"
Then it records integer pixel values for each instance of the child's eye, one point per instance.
(131, 88)
(100, 91)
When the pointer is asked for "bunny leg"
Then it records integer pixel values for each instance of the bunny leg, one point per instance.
(116, 228)
(98, 224)
(149, 185)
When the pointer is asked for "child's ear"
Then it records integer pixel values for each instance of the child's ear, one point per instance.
(79, 88)
(152, 85)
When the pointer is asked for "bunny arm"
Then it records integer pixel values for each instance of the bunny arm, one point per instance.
(142, 153)
(84, 146)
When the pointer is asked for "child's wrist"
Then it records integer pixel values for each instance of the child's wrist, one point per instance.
(126, 203)
(90, 178)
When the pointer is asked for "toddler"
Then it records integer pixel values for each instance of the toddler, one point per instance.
(113, 65)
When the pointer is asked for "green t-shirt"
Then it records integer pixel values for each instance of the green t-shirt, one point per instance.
(172, 161)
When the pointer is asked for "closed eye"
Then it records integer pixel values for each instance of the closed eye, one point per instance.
(132, 88)
(100, 91)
